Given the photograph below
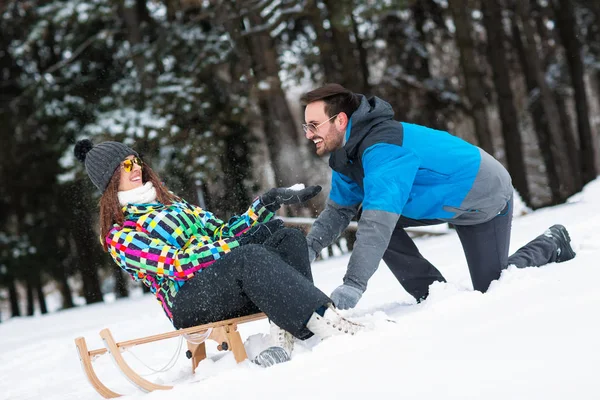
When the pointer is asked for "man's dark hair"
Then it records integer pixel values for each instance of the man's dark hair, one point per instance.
(336, 97)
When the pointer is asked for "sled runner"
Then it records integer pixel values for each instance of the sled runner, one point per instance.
(223, 332)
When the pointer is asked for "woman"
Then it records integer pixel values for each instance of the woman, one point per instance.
(202, 269)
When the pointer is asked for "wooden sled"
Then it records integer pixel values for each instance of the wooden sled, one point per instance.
(223, 332)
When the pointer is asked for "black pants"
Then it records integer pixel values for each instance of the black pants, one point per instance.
(486, 250)
(274, 278)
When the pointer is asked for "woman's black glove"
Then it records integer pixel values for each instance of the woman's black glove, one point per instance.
(275, 197)
(260, 232)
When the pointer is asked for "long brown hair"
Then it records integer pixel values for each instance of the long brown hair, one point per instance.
(111, 212)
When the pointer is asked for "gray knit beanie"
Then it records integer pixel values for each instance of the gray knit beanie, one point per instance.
(101, 160)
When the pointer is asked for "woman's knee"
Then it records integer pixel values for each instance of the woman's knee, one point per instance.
(252, 251)
(296, 234)
(290, 236)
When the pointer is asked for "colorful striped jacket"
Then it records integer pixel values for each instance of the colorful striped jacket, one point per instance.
(164, 246)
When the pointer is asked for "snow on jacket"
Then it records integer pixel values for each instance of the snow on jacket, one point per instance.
(394, 168)
(164, 246)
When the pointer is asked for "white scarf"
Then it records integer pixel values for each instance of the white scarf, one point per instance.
(141, 195)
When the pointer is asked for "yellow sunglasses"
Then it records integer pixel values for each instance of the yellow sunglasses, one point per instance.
(128, 164)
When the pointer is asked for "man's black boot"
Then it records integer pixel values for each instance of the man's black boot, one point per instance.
(564, 251)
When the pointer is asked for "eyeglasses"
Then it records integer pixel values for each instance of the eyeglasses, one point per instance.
(128, 164)
(315, 128)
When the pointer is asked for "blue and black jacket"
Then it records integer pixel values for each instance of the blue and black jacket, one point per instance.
(394, 168)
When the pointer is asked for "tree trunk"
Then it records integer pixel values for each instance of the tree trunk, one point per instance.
(236, 168)
(492, 18)
(172, 6)
(540, 122)
(354, 77)
(13, 296)
(594, 6)
(40, 296)
(121, 282)
(66, 293)
(474, 86)
(539, 15)
(280, 133)
(569, 137)
(421, 68)
(281, 130)
(88, 257)
(230, 194)
(29, 297)
(362, 56)
(288, 154)
(567, 29)
(133, 15)
(324, 42)
(88, 267)
(558, 145)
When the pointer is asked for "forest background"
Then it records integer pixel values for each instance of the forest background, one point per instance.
(208, 92)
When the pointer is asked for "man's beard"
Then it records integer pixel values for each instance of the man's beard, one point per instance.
(336, 141)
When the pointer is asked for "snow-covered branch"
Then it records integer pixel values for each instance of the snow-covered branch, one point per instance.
(276, 19)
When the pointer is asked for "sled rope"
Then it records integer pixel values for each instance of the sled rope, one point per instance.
(198, 338)
(195, 338)
(169, 365)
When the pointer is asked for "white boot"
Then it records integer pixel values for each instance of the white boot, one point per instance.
(281, 338)
(282, 345)
(332, 323)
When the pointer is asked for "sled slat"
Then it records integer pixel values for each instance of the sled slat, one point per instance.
(133, 377)
(88, 369)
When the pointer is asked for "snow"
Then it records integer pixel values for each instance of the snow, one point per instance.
(264, 85)
(532, 336)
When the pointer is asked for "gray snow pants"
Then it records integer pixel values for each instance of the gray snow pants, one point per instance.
(486, 250)
(273, 277)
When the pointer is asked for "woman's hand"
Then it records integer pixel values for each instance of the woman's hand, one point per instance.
(275, 197)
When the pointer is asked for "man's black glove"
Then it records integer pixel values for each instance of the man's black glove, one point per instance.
(260, 232)
(275, 197)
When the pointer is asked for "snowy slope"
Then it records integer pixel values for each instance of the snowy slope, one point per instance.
(534, 335)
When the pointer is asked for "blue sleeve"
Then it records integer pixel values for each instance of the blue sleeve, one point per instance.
(390, 171)
(344, 191)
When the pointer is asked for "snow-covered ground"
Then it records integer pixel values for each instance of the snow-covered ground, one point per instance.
(534, 335)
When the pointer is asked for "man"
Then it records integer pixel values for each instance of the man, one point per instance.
(409, 175)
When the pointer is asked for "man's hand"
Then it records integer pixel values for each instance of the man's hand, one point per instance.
(260, 232)
(275, 197)
(345, 297)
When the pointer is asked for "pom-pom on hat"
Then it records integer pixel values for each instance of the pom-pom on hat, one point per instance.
(101, 160)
